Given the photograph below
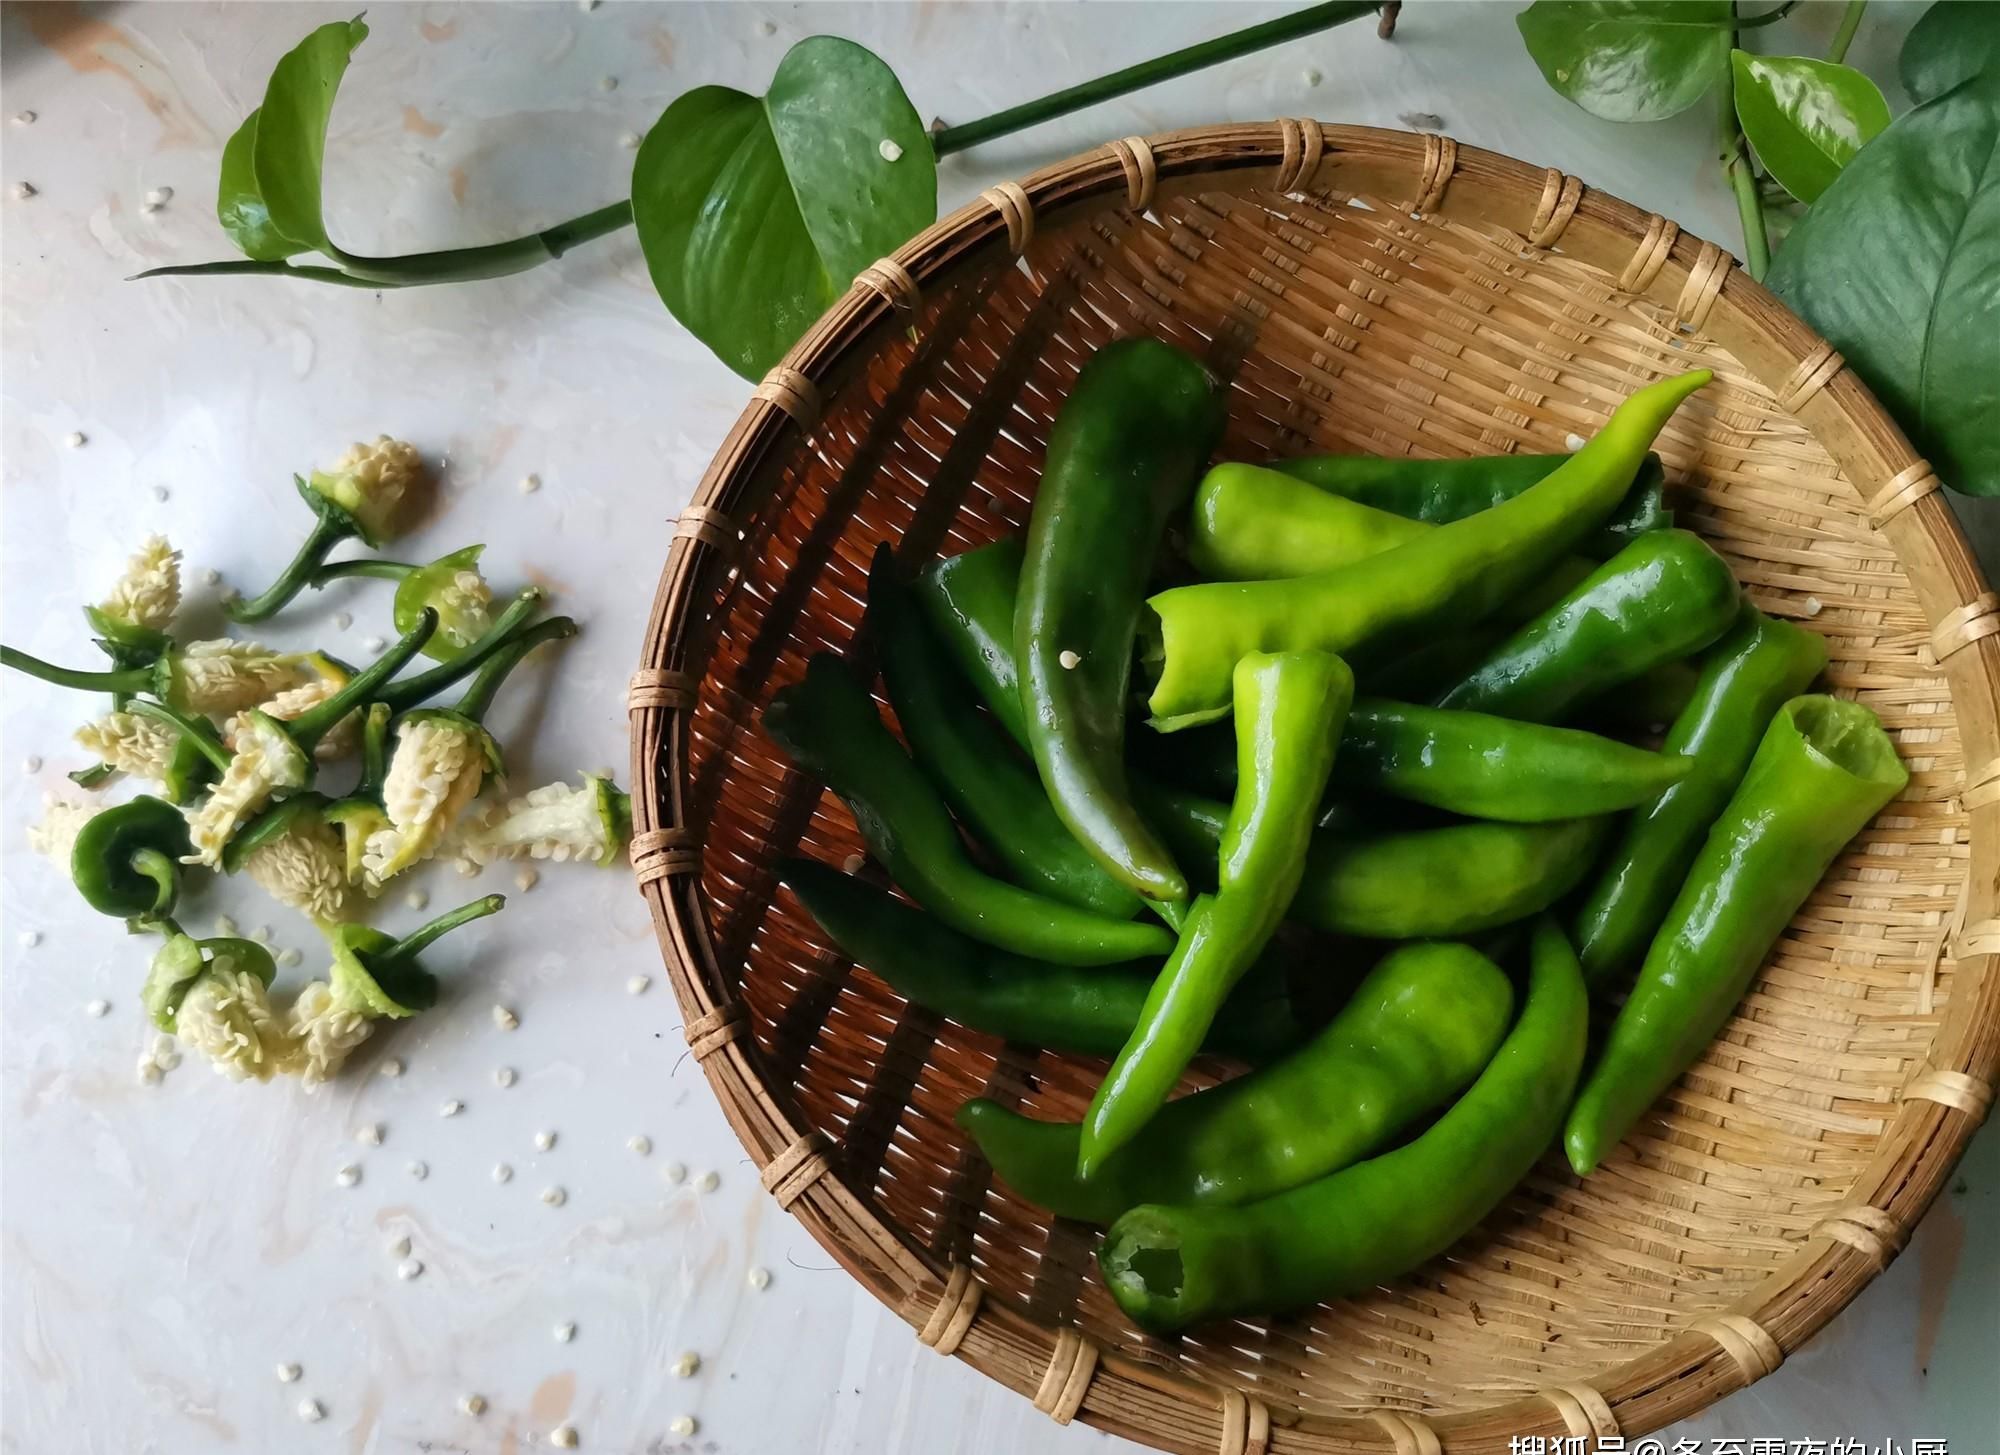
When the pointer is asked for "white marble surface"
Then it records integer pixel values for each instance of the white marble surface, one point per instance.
(166, 1247)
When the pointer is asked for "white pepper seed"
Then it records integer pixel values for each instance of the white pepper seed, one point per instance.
(554, 1196)
(311, 1411)
(289, 1373)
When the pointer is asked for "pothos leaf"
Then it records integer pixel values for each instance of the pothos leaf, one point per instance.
(239, 203)
(1898, 264)
(1629, 60)
(1806, 118)
(289, 142)
(755, 212)
(1950, 43)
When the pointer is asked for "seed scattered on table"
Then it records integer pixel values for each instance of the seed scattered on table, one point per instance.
(290, 956)
(342, 620)
(373, 644)
(409, 1268)
(451, 1108)
(504, 1076)
(675, 1172)
(637, 984)
(98, 1009)
(1312, 76)
(630, 140)
(25, 190)
(565, 1331)
(642, 1145)
(76, 439)
(347, 1176)
(526, 878)
(544, 1141)
(400, 1248)
(225, 926)
(417, 899)
(392, 1068)
(211, 576)
(530, 484)
(30, 939)
(159, 197)
(760, 1278)
(24, 118)
(687, 1365)
(708, 1182)
(262, 934)
(473, 1404)
(419, 1170)
(683, 1425)
(289, 1373)
(505, 1018)
(554, 1196)
(369, 1134)
(160, 493)
(607, 83)
(31, 764)
(563, 1437)
(149, 1072)
(311, 1411)
(502, 1172)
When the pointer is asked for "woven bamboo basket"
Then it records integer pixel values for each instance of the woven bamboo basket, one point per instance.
(1395, 294)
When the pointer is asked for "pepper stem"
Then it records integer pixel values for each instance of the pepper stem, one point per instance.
(486, 683)
(427, 684)
(165, 873)
(127, 679)
(374, 750)
(419, 940)
(366, 566)
(328, 531)
(311, 725)
(195, 734)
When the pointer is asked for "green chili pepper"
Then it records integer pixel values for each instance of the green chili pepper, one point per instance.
(1127, 447)
(1169, 1267)
(1457, 575)
(382, 973)
(1646, 704)
(1493, 767)
(1446, 490)
(462, 611)
(1087, 1012)
(1289, 709)
(1662, 598)
(366, 496)
(507, 628)
(360, 813)
(1744, 679)
(1408, 884)
(980, 773)
(829, 725)
(191, 767)
(179, 963)
(970, 601)
(127, 859)
(1418, 1030)
(1824, 768)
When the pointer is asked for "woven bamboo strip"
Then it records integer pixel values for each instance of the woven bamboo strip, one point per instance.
(1396, 294)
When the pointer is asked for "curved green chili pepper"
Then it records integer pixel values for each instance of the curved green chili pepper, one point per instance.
(1289, 709)
(1744, 679)
(1458, 574)
(828, 723)
(1409, 884)
(976, 768)
(333, 522)
(360, 813)
(1087, 1012)
(126, 860)
(1493, 767)
(1446, 490)
(1824, 768)
(182, 960)
(1417, 1031)
(970, 601)
(460, 623)
(380, 971)
(1127, 446)
(1662, 598)
(1169, 1267)
(192, 765)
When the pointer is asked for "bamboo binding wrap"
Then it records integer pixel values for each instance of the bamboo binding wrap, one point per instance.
(1394, 294)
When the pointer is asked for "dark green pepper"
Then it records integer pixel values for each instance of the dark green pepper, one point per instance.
(506, 630)
(974, 765)
(828, 723)
(1289, 709)
(381, 973)
(1453, 577)
(1424, 883)
(1445, 490)
(1662, 598)
(1823, 769)
(1494, 767)
(1744, 679)
(1169, 1267)
(1087, 1012)
(1418, 1030)
(462, 614)
(1127, 447)
(970, 601)
(127, 859)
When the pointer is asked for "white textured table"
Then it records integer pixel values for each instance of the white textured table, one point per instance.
(165, 1247)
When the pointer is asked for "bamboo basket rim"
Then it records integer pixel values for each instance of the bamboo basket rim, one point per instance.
(1065, 1373)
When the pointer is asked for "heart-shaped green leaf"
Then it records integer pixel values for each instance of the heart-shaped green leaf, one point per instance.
(1898, 264)
(755, 212)
(1953, 41)
(1806, 118)
(1629, 60)
(239, 203)
(289, 141)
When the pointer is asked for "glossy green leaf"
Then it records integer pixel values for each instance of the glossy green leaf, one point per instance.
(1629, 60)
(290, 138)
(756, 212)
(239, 203)
(1953, 41)
(1806, 118)
(1898, 264)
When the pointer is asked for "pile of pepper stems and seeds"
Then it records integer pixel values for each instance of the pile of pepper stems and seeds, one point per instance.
(233, 736)
(1384, 761)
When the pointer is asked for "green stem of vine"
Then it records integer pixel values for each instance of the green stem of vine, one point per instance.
(516, 255)
(1735, 157)
(1850, 21)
